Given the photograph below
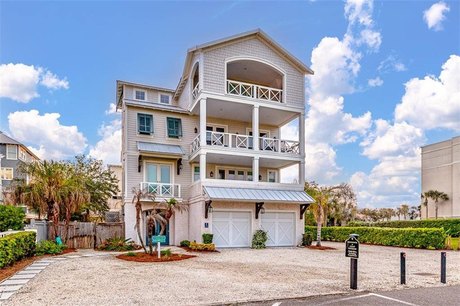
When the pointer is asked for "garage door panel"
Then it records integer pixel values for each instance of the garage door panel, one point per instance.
(280, 228)
(231, 229)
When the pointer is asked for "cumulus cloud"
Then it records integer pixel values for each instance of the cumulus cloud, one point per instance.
(375, 82)
(433, 102)
(391, 63)
(108, 149)
(19, 82)
(48, 138)
(112, 109)
(435, 15)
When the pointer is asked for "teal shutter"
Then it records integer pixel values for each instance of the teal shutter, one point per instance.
(145, 124)
(174, 127)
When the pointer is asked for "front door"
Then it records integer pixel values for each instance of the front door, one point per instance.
(159, 177)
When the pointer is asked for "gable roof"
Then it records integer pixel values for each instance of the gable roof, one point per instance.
(4, 139)
(256, 33)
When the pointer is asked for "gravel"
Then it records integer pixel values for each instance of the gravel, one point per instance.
(230, 276)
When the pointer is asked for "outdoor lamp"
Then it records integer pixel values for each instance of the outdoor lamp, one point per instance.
(211, 174)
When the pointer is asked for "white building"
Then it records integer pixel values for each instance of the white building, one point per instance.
(214, 143)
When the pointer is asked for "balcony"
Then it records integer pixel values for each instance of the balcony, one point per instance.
(238, 141)
(161, 190)
(195, 91)
(254, 91)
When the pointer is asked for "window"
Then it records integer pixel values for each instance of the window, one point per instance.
(249, 176)
(11, 152)
(174, 127)
(196, 173)
(6, 173)
(22, 154)
(164, 98)
(145, 124)
(231, 174)
(139, 95)
(240, 175)
(221, 174)
(272, 176)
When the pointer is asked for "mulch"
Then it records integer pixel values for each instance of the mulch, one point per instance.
(66, 251)
(198, 251)
(143, 257)
(322, 248)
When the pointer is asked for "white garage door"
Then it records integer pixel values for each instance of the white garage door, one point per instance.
(280, 227)
(231, 228)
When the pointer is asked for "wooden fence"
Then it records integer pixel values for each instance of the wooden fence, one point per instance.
(87, 235)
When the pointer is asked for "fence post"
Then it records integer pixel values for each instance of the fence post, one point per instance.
(443, 267)
(403, 268)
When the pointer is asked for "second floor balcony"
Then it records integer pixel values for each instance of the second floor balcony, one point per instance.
(246, 142)
(161, 190)
(254, 91)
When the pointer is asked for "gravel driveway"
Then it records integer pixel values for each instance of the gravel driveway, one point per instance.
(229, 276)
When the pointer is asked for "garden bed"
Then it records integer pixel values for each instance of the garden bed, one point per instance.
(322, 248)
(17, 266)
(198, 251)
(143, 257)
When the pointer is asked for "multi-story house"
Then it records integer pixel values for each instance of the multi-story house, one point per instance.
(441, 172)
(214, 143)
(12, 154)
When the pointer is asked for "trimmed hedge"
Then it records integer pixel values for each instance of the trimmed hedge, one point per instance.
(11, 217)
(450, 226)
(14, 247)
(422, 238)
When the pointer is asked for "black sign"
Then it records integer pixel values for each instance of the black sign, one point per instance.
(352, 247)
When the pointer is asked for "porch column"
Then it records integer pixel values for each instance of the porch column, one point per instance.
(202, 166)
(255, 128)
(302, 134)
(202, 123)
(255, 169)
(302, 172)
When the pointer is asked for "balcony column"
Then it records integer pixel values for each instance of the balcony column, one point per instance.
(302, 134)
(202, 166)
(202, 123)
(302, 172)
(255, 128)
(255, 169)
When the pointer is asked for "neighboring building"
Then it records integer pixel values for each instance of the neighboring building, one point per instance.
(115, 202)
(441, 171)
(12, 154)
(214, 143)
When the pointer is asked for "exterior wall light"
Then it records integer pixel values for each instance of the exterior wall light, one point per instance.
(211, 174)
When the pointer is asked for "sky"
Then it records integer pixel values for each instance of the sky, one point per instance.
(387, 77)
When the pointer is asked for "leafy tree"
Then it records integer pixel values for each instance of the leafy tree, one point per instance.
(11, 217)
(414, 212)
(436, 196)
(404, 210)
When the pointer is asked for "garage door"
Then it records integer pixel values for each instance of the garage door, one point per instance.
(280, 227)
(231, 228)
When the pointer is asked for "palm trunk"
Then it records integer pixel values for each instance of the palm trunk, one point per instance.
(318, 228)
(436, 210)
(426, 213)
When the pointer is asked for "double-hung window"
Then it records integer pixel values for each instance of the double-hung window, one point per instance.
(139, 95)
(164, 99)
(145, 124)
(11, 152)
(174, 127)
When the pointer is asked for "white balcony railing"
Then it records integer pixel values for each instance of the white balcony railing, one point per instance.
(195, 91)
(254, 91)
(238, 141)
(162, 190)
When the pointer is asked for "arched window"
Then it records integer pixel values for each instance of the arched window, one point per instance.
(254, 79)
(195, 79)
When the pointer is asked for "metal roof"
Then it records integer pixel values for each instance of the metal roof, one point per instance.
(257, 195)
(159, 148)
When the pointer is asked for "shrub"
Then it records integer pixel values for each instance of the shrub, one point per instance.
(166, 253)
(185, 243)
(259, 239)
(49, 247)
(131, 254)
(207, 238)
(14, 247)
(202, 246)
(307, 239)
(118, 244)
(11, 217)
(403, 237)
(450, 226)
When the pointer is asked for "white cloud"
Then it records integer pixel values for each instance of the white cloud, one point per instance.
(51, 81)
(375, 82)
(48, 138)
(19, 82)
(108, 149)
(435, 15)
(432, 102)
(391, 63)
(112, 109)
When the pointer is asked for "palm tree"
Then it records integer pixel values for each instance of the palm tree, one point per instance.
(398, 212)
(436, 196)
(404, 210)
(424, 197)
(155, 218)
(139, 195)
(321, 196)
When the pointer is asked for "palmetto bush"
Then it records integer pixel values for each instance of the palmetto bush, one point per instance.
(118, 244)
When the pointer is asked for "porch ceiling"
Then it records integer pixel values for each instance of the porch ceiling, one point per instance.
(244, 161)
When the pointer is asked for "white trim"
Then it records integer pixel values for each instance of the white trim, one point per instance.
(16, 149)
(216, 125)
(164, 94)
(234, 168)
(140, 90)
(260, 131)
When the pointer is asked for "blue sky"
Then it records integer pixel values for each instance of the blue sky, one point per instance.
(79, 49)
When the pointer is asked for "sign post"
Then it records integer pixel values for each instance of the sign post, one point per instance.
(352, 251)
(159, 239)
